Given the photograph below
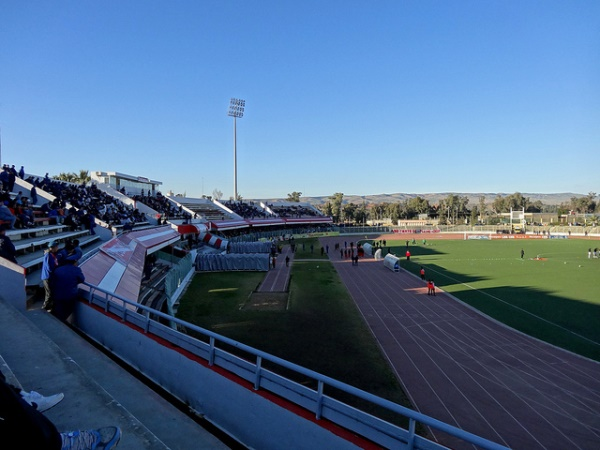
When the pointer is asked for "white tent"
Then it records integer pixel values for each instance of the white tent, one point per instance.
(392, 262)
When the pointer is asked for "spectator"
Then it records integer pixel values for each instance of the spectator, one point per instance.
(89, 220)
(22, 173)
(65, 288)
(24, 214)
(35, 430)
(4, 178)
(7, 248)
(49, 264)
(67, 250)
(76, 253)
(55, 213)
(12, 177)
(71, 221)
(33, 195)
(7, 215)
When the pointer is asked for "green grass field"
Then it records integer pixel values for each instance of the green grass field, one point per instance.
(321, 329)
(555, 298)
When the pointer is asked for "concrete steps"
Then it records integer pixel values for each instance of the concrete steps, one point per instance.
(40, 353)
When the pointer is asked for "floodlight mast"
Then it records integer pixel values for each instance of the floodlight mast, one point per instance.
(236, 109)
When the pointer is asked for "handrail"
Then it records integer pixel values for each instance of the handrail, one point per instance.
(322, 380)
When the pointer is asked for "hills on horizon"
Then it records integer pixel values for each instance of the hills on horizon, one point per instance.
(434, 198)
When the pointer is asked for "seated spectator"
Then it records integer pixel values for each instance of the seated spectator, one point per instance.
(55, 213)
(34, 430)
(7, 248)
(24, 214)
(71, 221)
(7, 214)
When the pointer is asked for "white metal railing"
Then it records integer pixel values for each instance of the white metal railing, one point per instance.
(252, 369)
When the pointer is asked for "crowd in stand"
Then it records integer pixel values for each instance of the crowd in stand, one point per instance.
(247, 210)
(76, 206)
(85, 204)
(294, 211)
(15, 209)
(161, 204)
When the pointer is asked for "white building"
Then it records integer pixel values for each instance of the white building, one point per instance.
(129, 184)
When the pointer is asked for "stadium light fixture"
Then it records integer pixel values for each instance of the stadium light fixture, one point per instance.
(236, 109)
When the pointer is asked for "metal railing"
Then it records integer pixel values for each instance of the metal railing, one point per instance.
(251, 367)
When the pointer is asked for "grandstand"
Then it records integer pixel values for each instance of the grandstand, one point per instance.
(203, 209)
(136, 260)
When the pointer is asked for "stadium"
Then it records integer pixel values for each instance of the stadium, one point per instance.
(505, 355)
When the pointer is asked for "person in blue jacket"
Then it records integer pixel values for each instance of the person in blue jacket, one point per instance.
(65, 288)
(49, 264)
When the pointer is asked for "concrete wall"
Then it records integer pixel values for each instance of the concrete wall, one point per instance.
(13, 284)
(233, 406)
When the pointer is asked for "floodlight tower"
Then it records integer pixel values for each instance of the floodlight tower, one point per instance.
(236, 109)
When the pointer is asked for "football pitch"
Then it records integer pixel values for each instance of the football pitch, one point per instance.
(552, 293)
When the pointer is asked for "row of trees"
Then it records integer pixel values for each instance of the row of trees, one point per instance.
(82, 177)
(452, 209)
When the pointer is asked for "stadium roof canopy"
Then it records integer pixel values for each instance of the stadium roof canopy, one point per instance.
(118, 266)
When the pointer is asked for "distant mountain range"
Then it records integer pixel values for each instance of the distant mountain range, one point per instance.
(434, 198)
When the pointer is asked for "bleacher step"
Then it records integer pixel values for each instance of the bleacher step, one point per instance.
(48, 356)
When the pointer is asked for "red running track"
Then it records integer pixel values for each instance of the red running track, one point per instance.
(459, 366)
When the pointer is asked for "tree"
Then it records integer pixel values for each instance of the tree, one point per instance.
(84, 176)
(535, 207)
(391, 211)
(499, 205)
(336, 206)
(326, 209)
(348, 210)
(361, 214)
(416, 206)
(377, 211)
(294, 197)
(585, 204)
(71, 177)
(481, 208)
(474, 215)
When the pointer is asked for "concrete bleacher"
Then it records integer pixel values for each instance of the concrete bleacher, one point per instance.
(203, 208)
(31, 243)
(294, 209)
(38, 352)
(117, 229)
(152, 291)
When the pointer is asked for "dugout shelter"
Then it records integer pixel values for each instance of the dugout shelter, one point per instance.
(392, 262)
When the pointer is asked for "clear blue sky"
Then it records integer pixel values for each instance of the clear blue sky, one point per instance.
(341, 96)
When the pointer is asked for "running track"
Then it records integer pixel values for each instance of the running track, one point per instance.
(472, 372)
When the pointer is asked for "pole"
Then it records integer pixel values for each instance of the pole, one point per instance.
(236, 109)
(235, 192)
